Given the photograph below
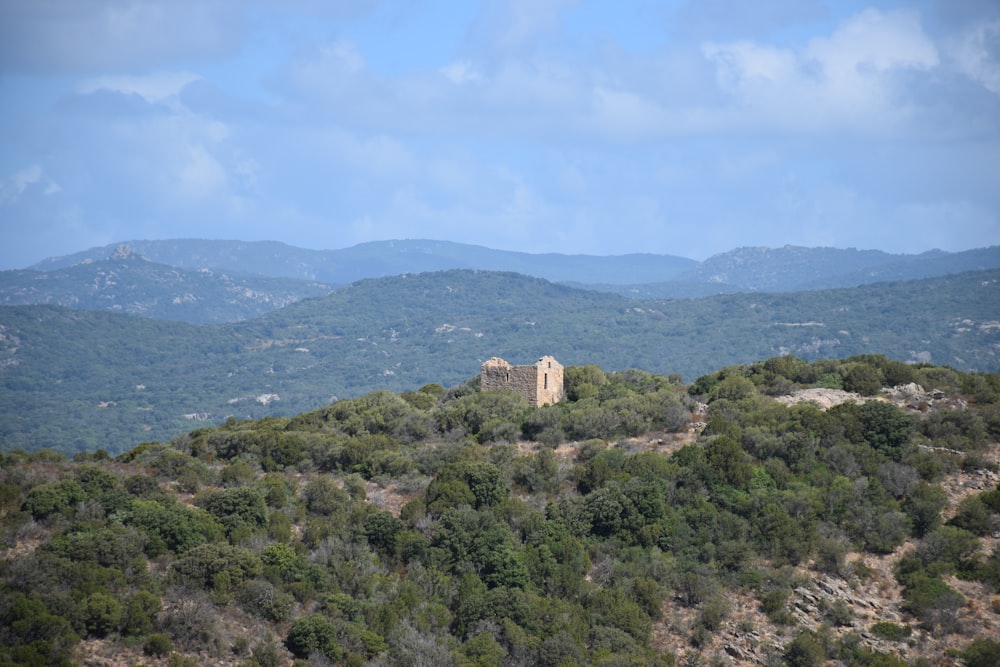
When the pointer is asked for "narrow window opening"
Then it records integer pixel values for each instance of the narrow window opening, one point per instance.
(546, 385)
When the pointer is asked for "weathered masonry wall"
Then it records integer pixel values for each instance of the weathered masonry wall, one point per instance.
(540, 383)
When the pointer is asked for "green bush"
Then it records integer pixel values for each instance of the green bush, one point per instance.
(805, 651)
(158, 645)
(47, 499)
(312, 634)
(982, 653)
(891, 631)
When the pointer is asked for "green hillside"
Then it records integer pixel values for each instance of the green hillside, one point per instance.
(79, 380)
(127, 283)
(638, 522)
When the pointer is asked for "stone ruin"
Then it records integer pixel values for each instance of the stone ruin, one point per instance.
(540, 383)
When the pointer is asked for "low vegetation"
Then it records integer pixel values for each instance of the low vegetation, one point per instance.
(81, 381)
(642, 521)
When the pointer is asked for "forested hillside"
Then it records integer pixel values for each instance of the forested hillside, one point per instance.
(785, 269)
(75, 380)
(127, 283)
(640, 521)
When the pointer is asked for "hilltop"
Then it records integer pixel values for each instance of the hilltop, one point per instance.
(639, 275)
(128, 283)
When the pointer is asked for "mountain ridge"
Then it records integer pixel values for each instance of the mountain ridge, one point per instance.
(639, 275)
(127, 282)
(376, 259)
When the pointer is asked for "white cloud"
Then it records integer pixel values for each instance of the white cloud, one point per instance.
(461, 72)
(154, 88)
(13, 187)
(199, 174)
(977, 53)
(845, 79)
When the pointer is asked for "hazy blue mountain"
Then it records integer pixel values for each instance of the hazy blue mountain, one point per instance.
(130, 284)
(386, 258)
(911, 267)
(786, 269)
(82, 379)
(794, 268)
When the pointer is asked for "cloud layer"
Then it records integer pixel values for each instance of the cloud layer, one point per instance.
(541, 125)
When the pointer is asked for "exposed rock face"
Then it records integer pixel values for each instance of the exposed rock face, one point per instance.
(822, 397)
(908, 396)
(540, 383)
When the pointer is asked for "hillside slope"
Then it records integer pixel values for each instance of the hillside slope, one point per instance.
(638, 521)
(74, 379)
(128, 283)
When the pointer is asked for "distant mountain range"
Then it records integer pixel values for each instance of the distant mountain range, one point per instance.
(202, 281)
(384, 258)
(72, 379)
(128, 283)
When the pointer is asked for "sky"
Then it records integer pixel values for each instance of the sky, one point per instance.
(684, 127)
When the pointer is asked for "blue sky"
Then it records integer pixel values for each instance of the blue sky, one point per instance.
(689, 127)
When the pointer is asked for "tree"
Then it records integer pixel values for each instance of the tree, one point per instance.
(381, 528)
(974, 516)
(47, 499)
(885, 427)
(583, 381)
(217, 566)
(483, 650)
(312, 634)
(805, 651)
(173, 526)
(235, 508)
(139, 612)
(863, 379)
(733, 388)
(725, 456)
(924, 506)
(324, 497)
(982, 653)
(102, 614)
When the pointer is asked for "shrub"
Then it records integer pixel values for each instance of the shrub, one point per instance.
(47, 499)
(891, 631)
(312, 634)
(982, 653)
(158, 645)
(218, 566)
(262, 599)
(102, 614)
(805, 651)
(863, 379)
(140, 613)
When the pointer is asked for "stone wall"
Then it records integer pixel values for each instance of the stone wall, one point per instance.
(539, 383)
(548, 381)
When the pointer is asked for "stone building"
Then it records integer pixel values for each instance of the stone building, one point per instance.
(540, 383)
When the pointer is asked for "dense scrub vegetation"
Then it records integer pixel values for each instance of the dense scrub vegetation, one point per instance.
(460, 527)
(75, 381)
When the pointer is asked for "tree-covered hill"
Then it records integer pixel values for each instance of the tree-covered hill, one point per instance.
(128, 283)
(794, 268)
(642, 275)
(640, 521)
(76, 380)
(387, 258)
